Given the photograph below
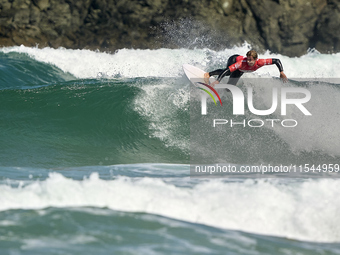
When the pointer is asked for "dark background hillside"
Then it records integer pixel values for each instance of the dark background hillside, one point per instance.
(288, 27)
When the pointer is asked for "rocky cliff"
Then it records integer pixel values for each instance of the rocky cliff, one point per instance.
(288, 27)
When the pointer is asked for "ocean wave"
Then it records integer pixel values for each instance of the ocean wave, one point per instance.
(80, 107)
(132, 63)
(302, 210)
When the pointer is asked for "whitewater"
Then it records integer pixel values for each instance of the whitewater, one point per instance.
(95, 157)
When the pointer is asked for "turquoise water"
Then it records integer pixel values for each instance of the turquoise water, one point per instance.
(95, 153)
(57, 120)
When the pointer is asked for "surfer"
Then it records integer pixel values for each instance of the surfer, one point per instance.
(237, 65)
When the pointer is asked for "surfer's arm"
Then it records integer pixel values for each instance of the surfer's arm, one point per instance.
(278, 63)
(283, 76)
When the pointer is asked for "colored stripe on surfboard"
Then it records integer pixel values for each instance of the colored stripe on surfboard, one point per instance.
(213, 90)
(209, 94)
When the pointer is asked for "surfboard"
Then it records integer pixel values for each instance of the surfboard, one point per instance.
(194, 74)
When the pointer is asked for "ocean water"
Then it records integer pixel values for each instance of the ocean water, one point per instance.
(95, 153)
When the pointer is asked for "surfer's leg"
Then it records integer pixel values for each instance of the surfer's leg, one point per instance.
(232, 60)
(234, 77)
(216, 72)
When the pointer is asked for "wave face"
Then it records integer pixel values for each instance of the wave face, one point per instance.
(95, 151)
(55, 118)
(79, 107)
(76, 122)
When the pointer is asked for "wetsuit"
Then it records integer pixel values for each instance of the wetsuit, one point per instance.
(237, 65)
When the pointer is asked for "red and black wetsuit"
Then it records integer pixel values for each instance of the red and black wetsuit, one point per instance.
(237, 65)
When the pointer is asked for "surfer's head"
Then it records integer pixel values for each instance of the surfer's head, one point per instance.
(251, 57)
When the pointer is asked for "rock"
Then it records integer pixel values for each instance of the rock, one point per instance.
(326, 36)
(287, 27)
(42, 4)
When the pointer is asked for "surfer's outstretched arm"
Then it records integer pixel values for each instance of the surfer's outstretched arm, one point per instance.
(278, 63)
(283, 77)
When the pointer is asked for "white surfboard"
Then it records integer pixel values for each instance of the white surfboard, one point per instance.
(195, 74)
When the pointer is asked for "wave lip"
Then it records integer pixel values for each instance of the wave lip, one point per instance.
(131, 63)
